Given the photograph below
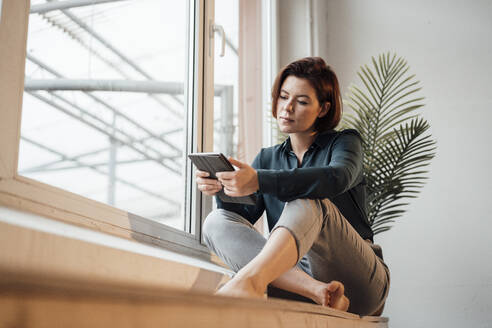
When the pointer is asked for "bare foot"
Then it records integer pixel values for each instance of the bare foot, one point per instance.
(338, 300)
(331, 294)
(240, 287)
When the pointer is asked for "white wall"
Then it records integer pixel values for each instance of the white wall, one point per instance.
(440, 254)
(292, 31)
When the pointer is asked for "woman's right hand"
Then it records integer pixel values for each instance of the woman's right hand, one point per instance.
(207, 186)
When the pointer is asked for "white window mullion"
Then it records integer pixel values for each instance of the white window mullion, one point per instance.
(191, 92)
(207, 119)
(202, 121)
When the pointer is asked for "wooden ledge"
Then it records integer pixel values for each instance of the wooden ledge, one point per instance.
(28, 301)
(50, 280)
(98, 258)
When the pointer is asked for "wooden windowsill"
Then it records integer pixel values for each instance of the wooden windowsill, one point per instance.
(29, 301)
(49, 279)
(47, 201)
(37, 246)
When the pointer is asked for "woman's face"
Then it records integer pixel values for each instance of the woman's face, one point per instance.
(297, 106)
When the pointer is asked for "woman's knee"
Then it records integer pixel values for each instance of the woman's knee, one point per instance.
(322, 207)
(213, 223)
(216, 223)
(306, 207)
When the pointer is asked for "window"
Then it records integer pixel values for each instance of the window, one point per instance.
(101, 101)
(116, 94)
(105, 108)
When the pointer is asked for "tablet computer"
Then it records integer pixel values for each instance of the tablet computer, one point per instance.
(217, 162)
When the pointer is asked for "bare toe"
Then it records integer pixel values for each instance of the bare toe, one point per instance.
(337, 298)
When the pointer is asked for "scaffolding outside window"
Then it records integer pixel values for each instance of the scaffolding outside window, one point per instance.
(106, 110)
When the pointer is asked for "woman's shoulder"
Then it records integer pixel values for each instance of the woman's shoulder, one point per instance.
(348, 133)
(330, 138)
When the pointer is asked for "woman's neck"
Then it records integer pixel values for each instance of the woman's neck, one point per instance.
(300, 142)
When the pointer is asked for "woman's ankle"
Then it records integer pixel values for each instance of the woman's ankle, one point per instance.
(252, 278)
(316, 292)
(308, 290)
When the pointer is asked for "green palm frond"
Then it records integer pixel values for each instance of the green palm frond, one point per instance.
(395, 147)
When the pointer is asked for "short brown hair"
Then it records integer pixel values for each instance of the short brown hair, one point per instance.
(322, 79)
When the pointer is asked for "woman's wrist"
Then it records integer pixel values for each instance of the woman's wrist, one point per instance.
(257, 182)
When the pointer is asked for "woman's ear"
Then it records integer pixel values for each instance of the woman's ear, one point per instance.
(324, 109)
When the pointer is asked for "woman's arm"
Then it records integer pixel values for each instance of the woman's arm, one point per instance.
(328, 181)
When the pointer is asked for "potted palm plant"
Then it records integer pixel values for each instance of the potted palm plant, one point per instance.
(397, 147)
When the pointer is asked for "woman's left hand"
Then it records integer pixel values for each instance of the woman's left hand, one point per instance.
(241, 182)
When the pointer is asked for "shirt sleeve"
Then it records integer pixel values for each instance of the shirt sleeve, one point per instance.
(328, 181)
(250, 212)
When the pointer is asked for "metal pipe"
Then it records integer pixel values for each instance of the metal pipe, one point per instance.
(59, 5)
(103, 85)
(63, 168)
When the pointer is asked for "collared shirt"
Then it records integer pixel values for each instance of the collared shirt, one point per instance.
(331, 168)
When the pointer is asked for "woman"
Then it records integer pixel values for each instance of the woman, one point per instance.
(313, 191)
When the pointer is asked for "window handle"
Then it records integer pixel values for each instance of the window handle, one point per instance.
(220, 29)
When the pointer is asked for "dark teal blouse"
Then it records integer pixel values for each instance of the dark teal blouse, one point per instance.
(331, 168)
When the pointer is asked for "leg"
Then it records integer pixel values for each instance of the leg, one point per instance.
(306, 219)
(275, 262)
(237, 243)
(234, 239)
(335, 252)
(340, 254)
(258, 268)
(277, 256)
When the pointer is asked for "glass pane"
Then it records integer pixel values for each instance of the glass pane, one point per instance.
(226, 79)
(104, 112)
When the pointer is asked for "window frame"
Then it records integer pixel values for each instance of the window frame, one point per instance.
(33, 196)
